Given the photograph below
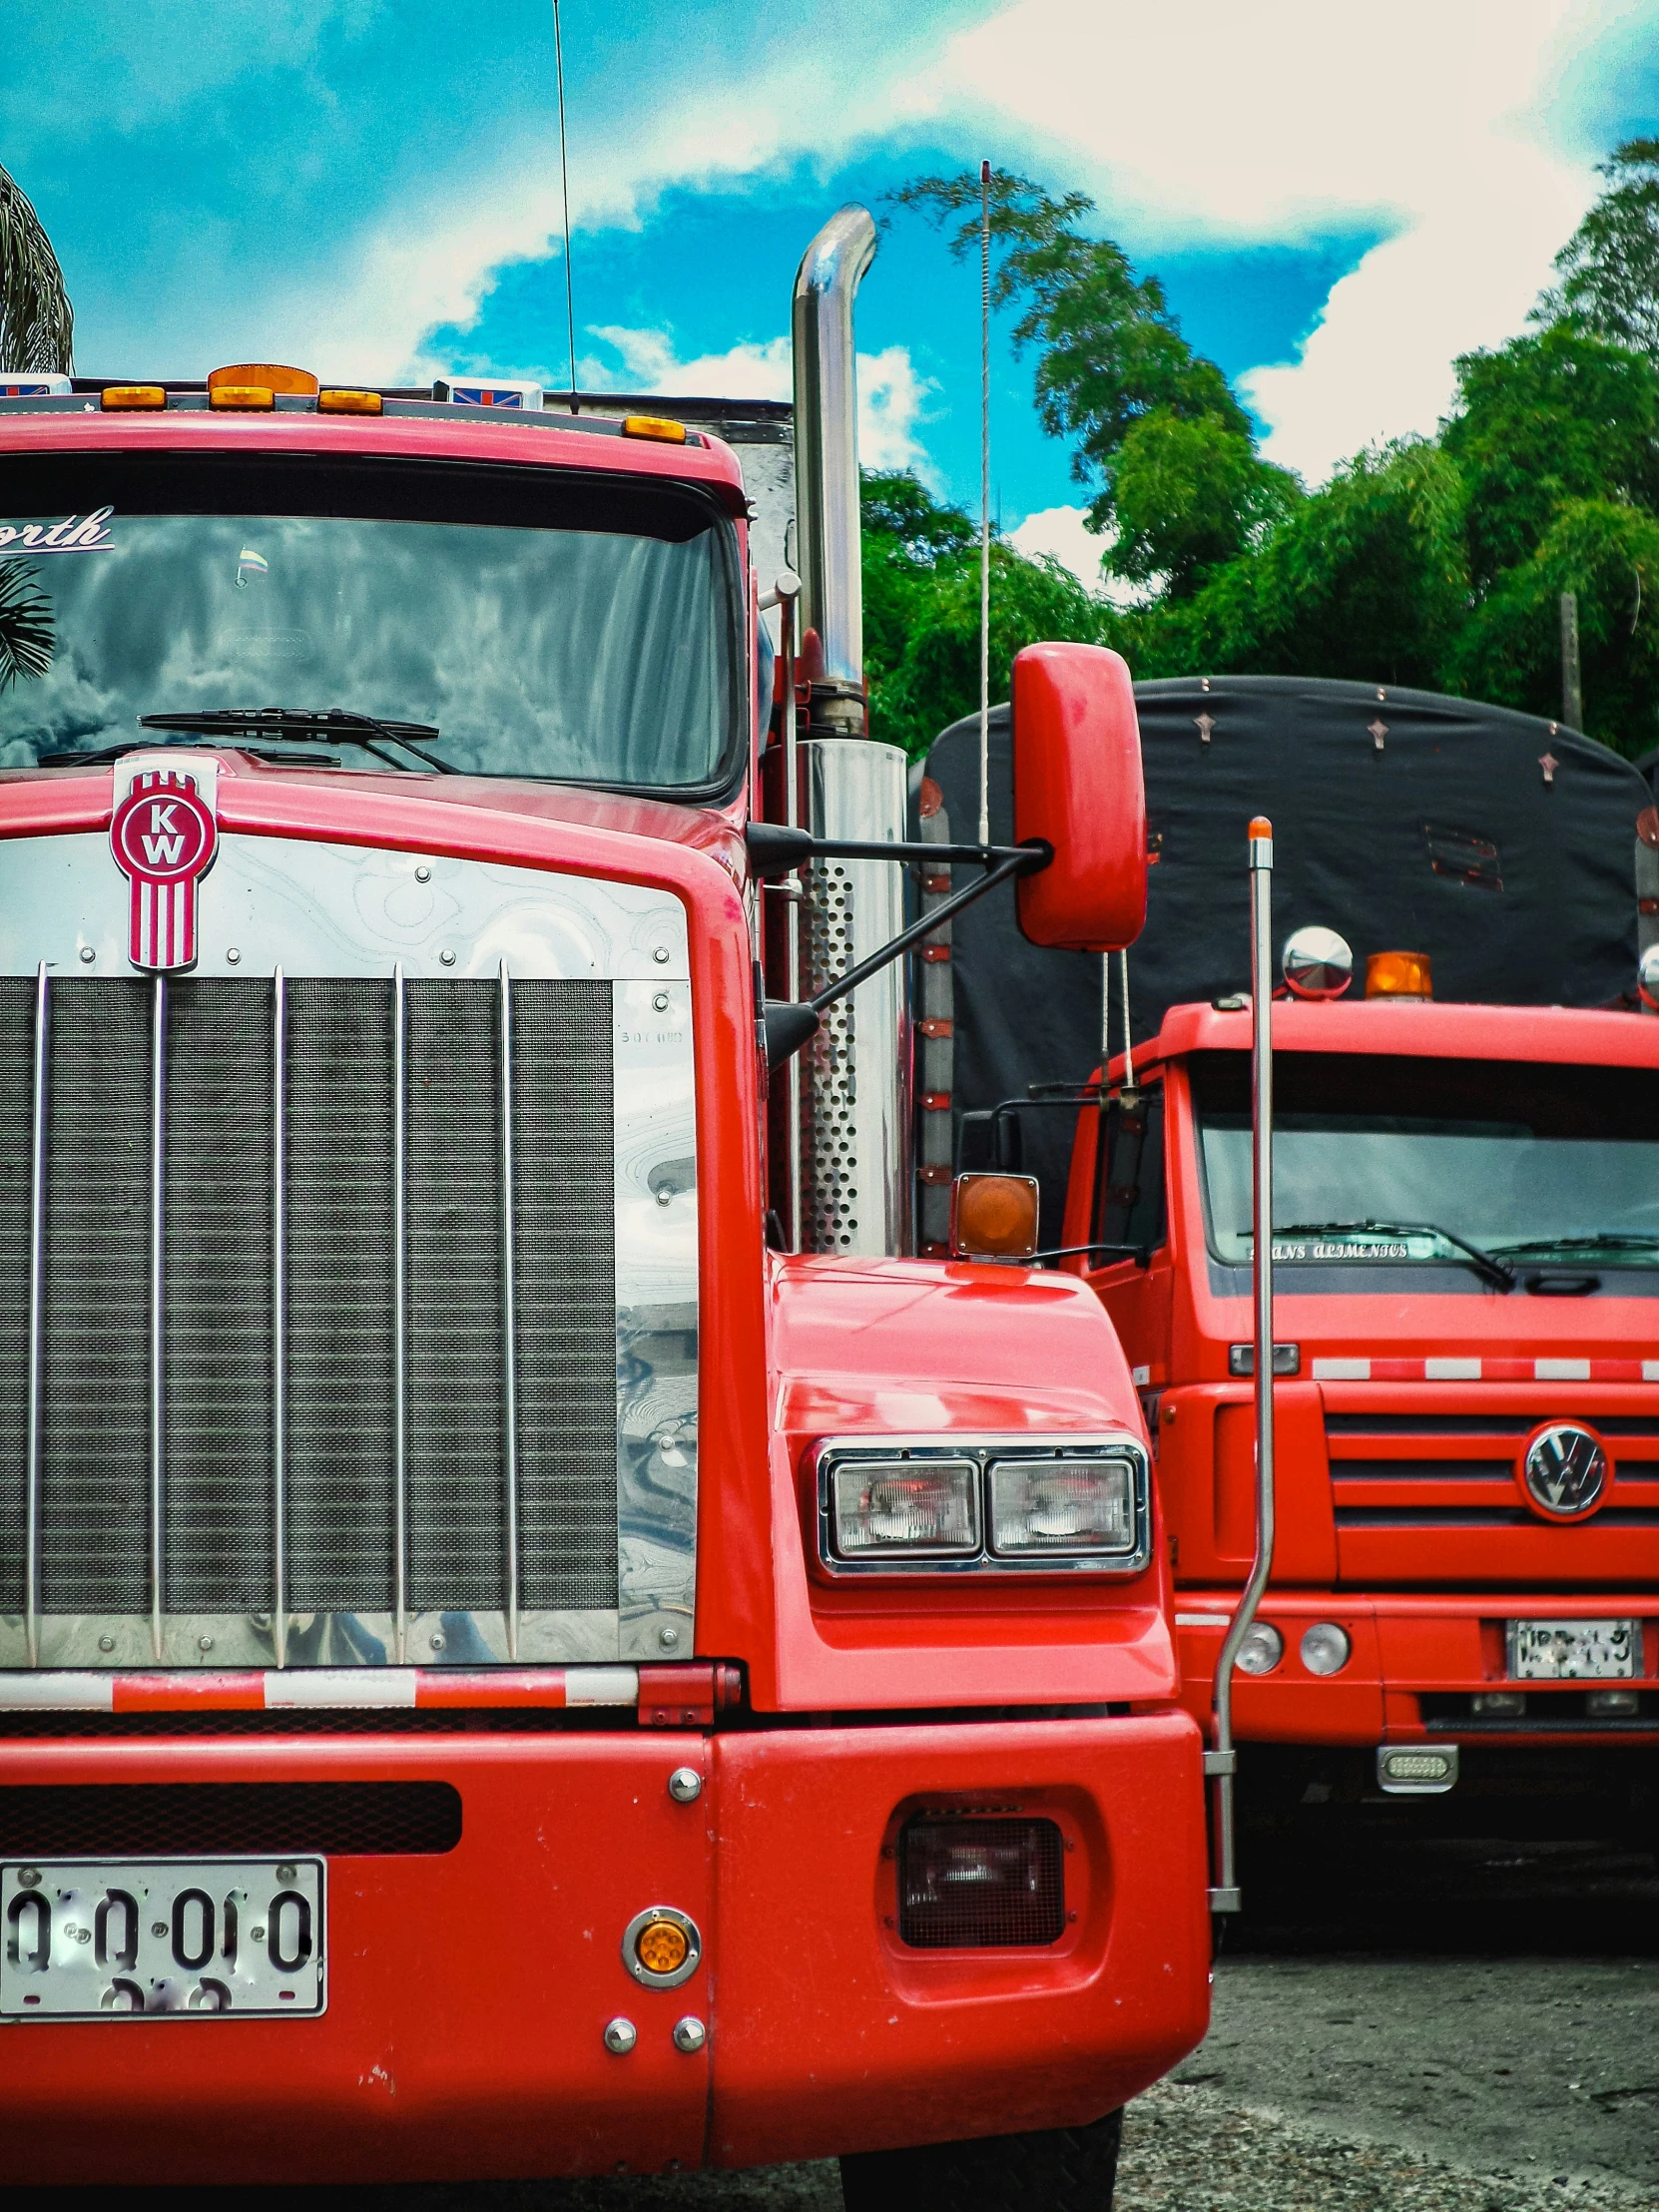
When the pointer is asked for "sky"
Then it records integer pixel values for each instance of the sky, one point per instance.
(1338, 199)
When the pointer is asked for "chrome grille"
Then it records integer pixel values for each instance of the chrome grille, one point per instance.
(326, 1448)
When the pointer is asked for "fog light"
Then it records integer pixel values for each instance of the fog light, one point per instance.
(1505, 1705)
(1061, 1506)
(1416, 1770)
(661, 1947)
(981, 1883)
(1261, 1649)
(1612, 1703)
(928, 1508)
(1326, 1648)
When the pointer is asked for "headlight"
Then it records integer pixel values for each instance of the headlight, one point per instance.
(1014, 1505)
(925, 1507)
(1261, 1649)
(1326, 1648)
(1049, 1506)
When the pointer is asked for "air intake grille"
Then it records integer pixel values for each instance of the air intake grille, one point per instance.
(330, 1467)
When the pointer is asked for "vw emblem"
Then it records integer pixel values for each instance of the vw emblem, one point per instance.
(1565, 1471)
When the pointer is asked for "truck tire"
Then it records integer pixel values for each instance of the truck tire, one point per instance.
(1060, 2169)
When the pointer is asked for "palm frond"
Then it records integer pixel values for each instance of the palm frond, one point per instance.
(27, 629)
(37, 324)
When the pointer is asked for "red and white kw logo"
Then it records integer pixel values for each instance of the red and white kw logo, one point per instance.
(163, 836)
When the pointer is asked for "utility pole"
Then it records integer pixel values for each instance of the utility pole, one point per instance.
(1572, 684)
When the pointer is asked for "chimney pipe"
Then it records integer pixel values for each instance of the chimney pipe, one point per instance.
(826, 462)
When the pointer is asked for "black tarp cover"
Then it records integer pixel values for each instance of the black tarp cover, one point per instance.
(1444, 838)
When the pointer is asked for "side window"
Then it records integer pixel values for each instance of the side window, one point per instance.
(1130, 1207)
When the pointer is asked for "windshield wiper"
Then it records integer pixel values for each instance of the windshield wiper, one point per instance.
(1495, 1272)
(1604, 1240)
(303, 721)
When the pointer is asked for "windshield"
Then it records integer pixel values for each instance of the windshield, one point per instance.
(1378, 1158)
(542, 625)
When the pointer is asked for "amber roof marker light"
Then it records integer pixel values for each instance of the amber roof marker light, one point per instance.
(1404, 975)
(132, 398)
(654, 426)
(269, 376)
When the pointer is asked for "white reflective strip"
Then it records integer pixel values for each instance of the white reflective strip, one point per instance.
(1342, 1371)
(341, 1686)
(57, 1693)
(1201, 1620)
(1140, 1376)
(1650, 1370)
(1561, 1371)
(601, 1685)
(1451, 1371)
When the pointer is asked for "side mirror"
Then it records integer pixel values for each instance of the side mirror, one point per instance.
(1077, 783)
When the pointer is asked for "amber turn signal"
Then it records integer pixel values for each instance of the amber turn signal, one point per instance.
(662, 1947)
(654, 426)
(132, 398)
(350, 403)
(263, 376)
(1400, 976)
(993, 1217)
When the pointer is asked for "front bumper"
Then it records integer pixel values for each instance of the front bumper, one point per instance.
(1416, 1663)
(469, 1989)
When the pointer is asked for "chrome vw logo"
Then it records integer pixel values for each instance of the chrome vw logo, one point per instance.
(1565, 1471)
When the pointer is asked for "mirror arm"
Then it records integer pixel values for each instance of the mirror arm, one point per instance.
(775, 850)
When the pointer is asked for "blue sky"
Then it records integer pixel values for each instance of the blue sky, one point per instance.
(1338, 199)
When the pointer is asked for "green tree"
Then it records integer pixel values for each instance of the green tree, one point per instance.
(1189, 495)
(26, 625)
(1610, 266)
(37, 324)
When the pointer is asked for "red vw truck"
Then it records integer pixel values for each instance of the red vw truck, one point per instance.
(505, 1669)
(1466, 1223)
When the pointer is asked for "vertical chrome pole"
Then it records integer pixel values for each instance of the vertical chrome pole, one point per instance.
(157, 1315)
(509, 1320)
(984, 502)
(1221, 1764)
(37, 1311)
(788, 603)
(400, 1322)
(280, 1317)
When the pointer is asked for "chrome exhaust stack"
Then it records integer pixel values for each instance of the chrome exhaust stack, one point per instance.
(855, 1167)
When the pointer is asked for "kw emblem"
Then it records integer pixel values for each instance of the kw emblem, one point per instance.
(164, 837)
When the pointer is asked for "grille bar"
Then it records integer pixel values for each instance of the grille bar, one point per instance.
(280, 1315)
(509, 1322)
(37, 1310)
(158, 1313)
(401, 1305)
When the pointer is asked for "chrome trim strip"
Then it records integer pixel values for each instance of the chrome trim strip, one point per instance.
(1021, 1444)
(509, 1315)
(37, 1310)
(158, 1313)
(400, 1321)
(279, 1312)
(118, 1642)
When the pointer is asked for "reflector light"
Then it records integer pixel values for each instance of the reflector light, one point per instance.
(993, 1217)
(263, 376)
(243, 398)
(1071, 1505)
(1418, 1770)
(131, 398)
(981, 1883)
(928, 1508)
(654, 426)
(662, 1947)
(1499, 1705)
(1400, 976)
(350, 403)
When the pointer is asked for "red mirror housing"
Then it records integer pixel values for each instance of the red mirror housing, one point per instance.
(1077, 782)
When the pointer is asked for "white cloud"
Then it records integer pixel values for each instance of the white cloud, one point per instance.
(1199, 121)
(1061, 532)
(892, 395)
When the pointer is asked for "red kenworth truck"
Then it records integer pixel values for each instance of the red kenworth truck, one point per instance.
(1466, 1210)
(504, 1669)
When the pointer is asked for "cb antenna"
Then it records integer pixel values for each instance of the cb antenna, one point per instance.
(564, 200)
(984, 502)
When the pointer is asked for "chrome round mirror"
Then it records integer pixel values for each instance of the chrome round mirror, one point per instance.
(1647, 978)
(1317, 963)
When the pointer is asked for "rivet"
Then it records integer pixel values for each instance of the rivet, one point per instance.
(620, 2037)
(284, 1874)
(232, 953)
(684, 1785)
(28, 1877)
(83, 1934)
(660, 955)
(423, 873)
(258, 1934)
(88, 955)
(204, 1643)
(661, 1002)
(668, 1638)
(690, 2033)
(447, 956)
(106, 1643)
(158, 1927)
(437, 1641)
(665, 1197)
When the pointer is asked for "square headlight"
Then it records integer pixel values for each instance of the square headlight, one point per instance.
(1074, 1506)
(916, 1508)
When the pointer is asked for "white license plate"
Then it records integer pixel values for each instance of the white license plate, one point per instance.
(1574, 1651)
(99, 1939)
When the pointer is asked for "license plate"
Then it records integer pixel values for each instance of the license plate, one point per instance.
(98, 1938)
(1574, 1651)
